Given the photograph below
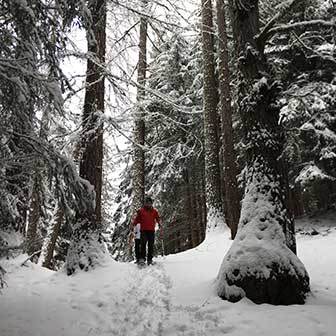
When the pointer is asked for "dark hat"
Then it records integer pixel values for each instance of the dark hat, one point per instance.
(148, 200)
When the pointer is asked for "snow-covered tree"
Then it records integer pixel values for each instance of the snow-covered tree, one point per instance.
(138, 179)
(210, 102)
(304, 60)
(231, 192)
(86, 246)
(261, 264)
(33, 36)
(175, 157)
(118, 243)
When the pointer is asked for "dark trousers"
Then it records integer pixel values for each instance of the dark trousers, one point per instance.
(137, 247)
(147, 237)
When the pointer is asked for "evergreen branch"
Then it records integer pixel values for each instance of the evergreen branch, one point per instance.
(303, 24)
(262, 37)
(322, 57)
(268, 33)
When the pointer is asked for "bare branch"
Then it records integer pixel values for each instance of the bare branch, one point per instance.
(173, 25)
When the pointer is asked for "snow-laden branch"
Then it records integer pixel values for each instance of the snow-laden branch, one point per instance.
(270, 29)
(329, 58)
(302, 25)
(283, 28)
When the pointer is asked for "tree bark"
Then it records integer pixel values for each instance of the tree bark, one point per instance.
(87, 248)
(139, 127)
(91, 163)
(189, 213)
(210, 99)
(259, 264)
(33, 240)
(231, 194)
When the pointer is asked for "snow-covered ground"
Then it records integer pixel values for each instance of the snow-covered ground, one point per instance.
(174, 297)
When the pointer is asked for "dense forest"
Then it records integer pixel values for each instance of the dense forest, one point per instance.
(222, 111)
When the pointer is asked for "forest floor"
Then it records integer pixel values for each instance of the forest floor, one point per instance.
(174, 297)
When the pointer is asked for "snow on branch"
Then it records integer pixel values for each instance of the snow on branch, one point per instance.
(283, 9)
(271, 28)
(302, 24)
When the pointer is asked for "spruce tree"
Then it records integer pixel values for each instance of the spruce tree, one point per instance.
(175, 162)
(260, 263)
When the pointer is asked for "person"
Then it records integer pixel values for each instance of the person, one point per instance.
(147, 217)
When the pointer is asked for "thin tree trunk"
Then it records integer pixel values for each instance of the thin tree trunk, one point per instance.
(139, 127)
(203, 202)
(210, 99)
(231, 193)
(189, 213)
(33, 241)
(33, 238)
(50, 241)
(196, 217)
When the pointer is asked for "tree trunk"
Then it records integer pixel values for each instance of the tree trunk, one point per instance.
(91, 163)
(259, 264)
(139, 127)
(49, 243)
(210, 99)
(231, 194)
(188, 206)
(33, 239)
(86, 248)
(203, 203)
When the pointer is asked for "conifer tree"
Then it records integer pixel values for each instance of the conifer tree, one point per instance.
(32, 39)
(210, 101)
(260, 264)
(175, 163)
(138, 179)
(86, 244)
(231, 192)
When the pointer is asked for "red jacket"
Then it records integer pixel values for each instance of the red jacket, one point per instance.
(147, 219)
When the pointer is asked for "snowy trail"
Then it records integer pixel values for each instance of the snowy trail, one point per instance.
(146, 304)
(175, 297)
(116, 299)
